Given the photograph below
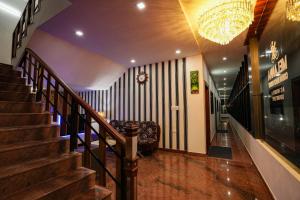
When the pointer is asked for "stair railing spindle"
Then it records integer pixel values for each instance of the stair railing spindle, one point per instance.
(74, 126)
(48, 93)
(40, 83)
(56, 90)
(87, 140)
(63, 129)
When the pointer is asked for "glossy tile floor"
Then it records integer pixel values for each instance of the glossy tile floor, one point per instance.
(176, 176)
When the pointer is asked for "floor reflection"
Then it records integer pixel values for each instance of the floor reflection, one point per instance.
(175, 176)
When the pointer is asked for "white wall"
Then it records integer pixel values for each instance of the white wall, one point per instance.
(78, 67)
(214, 118)
(282, 179)
(9, 22)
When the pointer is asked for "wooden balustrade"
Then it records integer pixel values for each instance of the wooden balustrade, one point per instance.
(46, 81)
(32, 7)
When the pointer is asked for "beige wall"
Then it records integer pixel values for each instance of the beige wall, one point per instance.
(196, 104)
(282, 179)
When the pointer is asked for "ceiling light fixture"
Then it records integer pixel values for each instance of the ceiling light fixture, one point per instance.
(178, 51)
(132, 61)
(141, 5)
(79, 33)
(225, 79)
(224, 22)
(224, 58)
(9, 9)
(293, 10)
(225, 71)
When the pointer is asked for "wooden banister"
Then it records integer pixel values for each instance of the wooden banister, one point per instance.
(46, 81)
(102, 122)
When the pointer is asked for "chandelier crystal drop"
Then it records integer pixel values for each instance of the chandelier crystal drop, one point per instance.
(224, 22)
(293, 10)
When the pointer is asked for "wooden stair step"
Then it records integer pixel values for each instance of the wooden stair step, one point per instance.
(16, 96)
(10, 72)
(21, 107)
(20, 176)
(98, 192)
(12, 79)
(21, 152)
(21, 119)
(5, 66)
(62, 187)
(9, 135)
(12, 87)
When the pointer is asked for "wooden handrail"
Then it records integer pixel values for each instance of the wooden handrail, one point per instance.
(39, 73)
(93, 114)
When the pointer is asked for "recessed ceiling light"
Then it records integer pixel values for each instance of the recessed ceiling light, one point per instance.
(224, 58)
(225, 71)
(141, 5)
(79, 33)
(132, 61)
(224, 83)
(178, 51)
(225, 79)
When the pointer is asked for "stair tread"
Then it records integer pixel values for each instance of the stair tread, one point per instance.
(33, 164)
(21, 102)
(9, 147)
(7, 91)
(12, 128)
(97, 192)
(11, 83)
(39, 190)
(17, 114)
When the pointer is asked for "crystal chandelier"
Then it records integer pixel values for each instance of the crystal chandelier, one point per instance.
(293, 10)
(226, 21)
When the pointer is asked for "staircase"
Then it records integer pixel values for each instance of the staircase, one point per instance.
(35, 163)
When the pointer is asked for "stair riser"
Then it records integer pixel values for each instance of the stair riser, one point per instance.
(14, 88)
(23, 97)
(26, 179)
(10, 73)
(20, 120)
(25, 135)
(16, 156)
(5, 67)
(11, 79)
(7, 107)
(73, 189)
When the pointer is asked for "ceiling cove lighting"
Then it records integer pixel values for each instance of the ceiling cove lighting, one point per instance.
(227, 20)
(141, 5)
(293, 10)
(9, 9)
(79, 33)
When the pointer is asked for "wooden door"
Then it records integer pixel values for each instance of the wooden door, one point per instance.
(207, 117)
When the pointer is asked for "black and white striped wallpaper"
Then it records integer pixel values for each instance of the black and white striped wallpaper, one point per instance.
(163, 99)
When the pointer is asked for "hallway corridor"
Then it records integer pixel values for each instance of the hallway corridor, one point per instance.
(176, 176)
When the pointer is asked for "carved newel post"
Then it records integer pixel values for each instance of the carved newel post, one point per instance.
(131, 161)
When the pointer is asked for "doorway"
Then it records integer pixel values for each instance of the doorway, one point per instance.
(207, 117)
